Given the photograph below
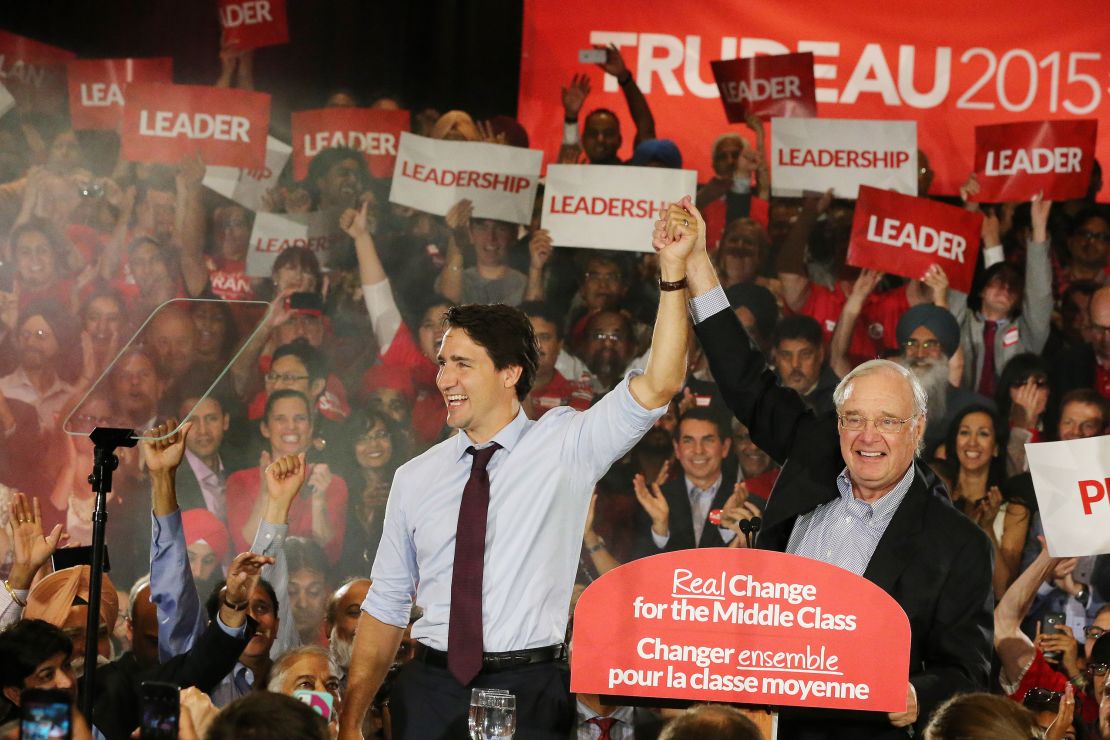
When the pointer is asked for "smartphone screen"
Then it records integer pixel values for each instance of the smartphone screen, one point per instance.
(160, 707)
(320, 701)
(591, 56)
(68, 557)
(46, 714)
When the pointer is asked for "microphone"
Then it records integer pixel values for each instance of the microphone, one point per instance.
(755, 523)
(746, 528)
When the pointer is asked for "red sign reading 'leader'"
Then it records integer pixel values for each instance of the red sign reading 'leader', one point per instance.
(372, 131)
(1018, 161)
(904, 235)
(741, 626)
(97, 87)
(250, 24)
(165, 123)
(778, 86)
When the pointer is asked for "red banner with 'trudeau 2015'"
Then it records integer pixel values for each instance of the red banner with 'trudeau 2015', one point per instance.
(950, 73)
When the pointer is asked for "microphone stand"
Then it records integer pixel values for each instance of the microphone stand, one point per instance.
(105, 442)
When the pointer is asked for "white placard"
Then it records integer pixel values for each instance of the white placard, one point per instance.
(7, 102)
(432, 175)
(275, 232)
(1071, 480)
(816, 154)
(246, 187)
(609, 206)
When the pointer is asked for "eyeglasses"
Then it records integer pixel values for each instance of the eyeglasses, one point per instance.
(1098, 669)
(37, 334)
(1088, 236)
(884, 425)
(926, 345)
(608, 336)
(284, 377)
(1093, 633)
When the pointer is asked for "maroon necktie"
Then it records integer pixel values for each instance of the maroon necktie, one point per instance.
(986, 379)
(605, 724)
(464, 633)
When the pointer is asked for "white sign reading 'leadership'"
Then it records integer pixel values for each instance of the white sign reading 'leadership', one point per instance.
(432, 175)
(817, 154)
(609, 206)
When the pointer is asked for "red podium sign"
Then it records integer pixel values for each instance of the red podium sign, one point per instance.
(741, 626)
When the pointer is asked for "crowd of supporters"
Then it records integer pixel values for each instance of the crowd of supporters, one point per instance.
(344, 370)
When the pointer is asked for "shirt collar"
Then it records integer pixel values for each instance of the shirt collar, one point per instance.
(621, 714)
(690, 487)
(200, 469)
(884, 507)
(507, 436)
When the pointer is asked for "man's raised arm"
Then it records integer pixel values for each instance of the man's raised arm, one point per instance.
(676, 235)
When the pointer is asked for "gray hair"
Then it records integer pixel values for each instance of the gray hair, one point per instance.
(920, 397)
(282, 665)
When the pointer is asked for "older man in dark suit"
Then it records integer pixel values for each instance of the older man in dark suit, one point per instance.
(851, 494)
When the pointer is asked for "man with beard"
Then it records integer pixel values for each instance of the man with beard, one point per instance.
(608, 347)
(929, 336)
(799, 357)
(42, 334)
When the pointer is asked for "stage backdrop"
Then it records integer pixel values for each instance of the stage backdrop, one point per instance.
(950, 67)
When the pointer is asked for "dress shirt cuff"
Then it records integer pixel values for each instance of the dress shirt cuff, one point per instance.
(707, 304)
(381, 607)
(660, 540)
(269, 538)
(236, 632)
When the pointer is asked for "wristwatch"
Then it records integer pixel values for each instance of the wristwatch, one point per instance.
(234, 607)
(1083, 596)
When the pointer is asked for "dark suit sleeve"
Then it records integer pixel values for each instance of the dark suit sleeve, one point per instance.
(771, 413)
(957, 655)
(213, 656)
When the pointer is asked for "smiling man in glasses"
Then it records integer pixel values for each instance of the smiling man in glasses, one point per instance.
(851, 494)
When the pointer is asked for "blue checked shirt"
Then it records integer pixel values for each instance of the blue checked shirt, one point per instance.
(845, 531)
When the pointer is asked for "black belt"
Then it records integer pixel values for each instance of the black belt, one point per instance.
(496, 662)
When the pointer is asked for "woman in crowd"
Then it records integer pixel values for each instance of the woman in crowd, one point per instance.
(975, 445)
(378, 447)
(1021, 396)
(319, 513)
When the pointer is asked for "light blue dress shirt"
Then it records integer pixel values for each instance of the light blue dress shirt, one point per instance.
(181, 618)
(540, 486)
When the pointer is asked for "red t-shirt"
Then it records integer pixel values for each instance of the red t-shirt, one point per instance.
(877, 324)
(1041, 674)
(243, 490)
(561, 392)
(228, 279)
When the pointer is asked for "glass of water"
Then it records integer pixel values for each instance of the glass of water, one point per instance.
(492, 714)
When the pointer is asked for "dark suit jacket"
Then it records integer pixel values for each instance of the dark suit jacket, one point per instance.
(118, 701)
(681, 518)
(932, 560)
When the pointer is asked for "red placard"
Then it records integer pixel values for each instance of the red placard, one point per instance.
(1017, 161)
(164, 123)
(904, 235)
(742, 626)
(374, 132)
(250, 24)
(869, 64)
(33, 72)
(779, 86)
(97, 86)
